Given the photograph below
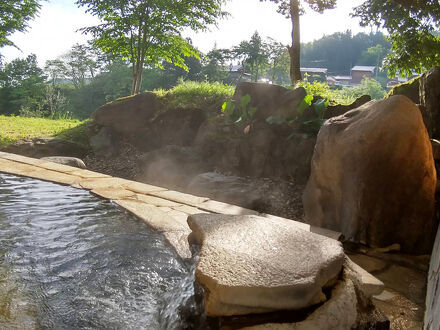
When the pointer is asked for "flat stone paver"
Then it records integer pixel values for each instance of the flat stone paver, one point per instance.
(254, 264)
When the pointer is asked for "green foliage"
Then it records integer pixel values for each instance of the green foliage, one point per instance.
(14, 16)
(309, 119)
(21, 85)
(239, 112)
(148, 32)
(412, 27)
(196, 95)
(312, 120)
(323, 90)
(254, 55)
(14, 128)
(279, 61)
(214, 65)
(345, 95)
(78, 133)
(370, 87)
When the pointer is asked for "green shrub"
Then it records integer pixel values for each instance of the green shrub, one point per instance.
(346, 94)
(323, 90)
(198, 95)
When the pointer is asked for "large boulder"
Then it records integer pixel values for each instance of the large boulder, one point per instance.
(271, 100)
(46, 147)
(430, 100)
(172, 127)
(250, 264)
(432, 314)
(425, 91)
(128, 115)
(373, 177)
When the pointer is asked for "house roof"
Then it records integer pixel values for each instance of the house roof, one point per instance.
(342, 77)
(314, 70)
(363, 68)
(235, 68)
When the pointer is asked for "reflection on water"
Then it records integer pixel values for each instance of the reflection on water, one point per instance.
(69, 260)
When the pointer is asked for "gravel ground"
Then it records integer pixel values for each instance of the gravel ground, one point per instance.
(127, 165)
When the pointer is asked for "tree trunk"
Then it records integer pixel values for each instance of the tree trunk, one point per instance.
(295, 49)
(137, 79)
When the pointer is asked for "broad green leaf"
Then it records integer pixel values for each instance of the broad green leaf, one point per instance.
(307, 102)
(319, 107)
(252, 111)
(244, 101)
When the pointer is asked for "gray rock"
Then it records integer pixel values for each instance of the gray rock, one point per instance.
(435, 149)
(250, 264)
(71, 161)
(338, 313)
(432, 314)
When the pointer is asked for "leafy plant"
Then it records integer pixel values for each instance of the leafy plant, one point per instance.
(310, 116)
(241, 111)
(314, 124)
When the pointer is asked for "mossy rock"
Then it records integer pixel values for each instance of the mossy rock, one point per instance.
(410, 89)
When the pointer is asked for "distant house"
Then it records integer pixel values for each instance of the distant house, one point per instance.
(236, 74)
(331, 81)
(360, 72)
(399, 79)
(314, 73)
(342, 80)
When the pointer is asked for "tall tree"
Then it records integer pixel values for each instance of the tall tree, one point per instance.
(21, 85)
(340, 51)
(293, 9)
(254, 55)
(413, 28)
(14, 16)
(148, 31)
(214, 65)
(279, 60)
(77, 65)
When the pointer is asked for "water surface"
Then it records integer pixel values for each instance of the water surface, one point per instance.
(69, 260)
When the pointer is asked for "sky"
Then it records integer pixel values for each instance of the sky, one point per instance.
(55, 30)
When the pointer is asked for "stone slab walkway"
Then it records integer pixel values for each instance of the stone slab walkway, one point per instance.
(164, 210)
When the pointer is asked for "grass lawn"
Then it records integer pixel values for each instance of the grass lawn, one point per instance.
(15, 128)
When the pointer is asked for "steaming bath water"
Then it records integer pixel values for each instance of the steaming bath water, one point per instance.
(70, 260)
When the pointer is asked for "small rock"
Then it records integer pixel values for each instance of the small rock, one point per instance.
(71, 161)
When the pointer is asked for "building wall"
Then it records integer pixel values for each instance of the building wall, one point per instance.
(357, 76)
